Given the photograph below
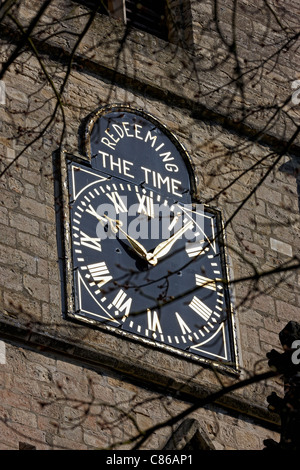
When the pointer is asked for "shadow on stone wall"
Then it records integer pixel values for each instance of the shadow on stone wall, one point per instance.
(292, 168)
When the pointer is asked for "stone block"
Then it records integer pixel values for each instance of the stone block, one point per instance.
(281, 247)
(2, 93)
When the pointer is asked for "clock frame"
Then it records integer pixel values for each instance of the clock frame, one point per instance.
(168, 291)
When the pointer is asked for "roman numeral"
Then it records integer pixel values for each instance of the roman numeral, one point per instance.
(93, 212)
(90, 242)
(174, 221)
(183, 326)
(146, 205)
(205, 282)
(153, 321)
(122, 302)
(194, 249)
(117, 201)
(200, 308)
(99, 273)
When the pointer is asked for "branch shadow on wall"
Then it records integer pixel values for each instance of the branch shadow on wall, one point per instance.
(292, 167)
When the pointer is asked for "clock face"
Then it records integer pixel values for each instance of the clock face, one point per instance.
(148, 265)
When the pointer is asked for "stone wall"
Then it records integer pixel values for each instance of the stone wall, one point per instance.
(58, 379)
(50, 402)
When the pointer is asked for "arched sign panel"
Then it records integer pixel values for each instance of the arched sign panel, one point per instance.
(147, 262)
(135, 147)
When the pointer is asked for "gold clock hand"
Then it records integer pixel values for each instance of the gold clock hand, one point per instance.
(138, 247)
(115, 226)
(164, 247)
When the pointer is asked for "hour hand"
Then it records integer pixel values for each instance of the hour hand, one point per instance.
(138, 247)
(116, 226)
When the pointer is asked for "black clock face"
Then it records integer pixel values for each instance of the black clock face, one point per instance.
(147, 262)
(147, 265)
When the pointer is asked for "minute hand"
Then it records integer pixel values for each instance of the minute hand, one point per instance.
(164, 247)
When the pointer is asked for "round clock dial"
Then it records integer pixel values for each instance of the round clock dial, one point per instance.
(150, 265)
